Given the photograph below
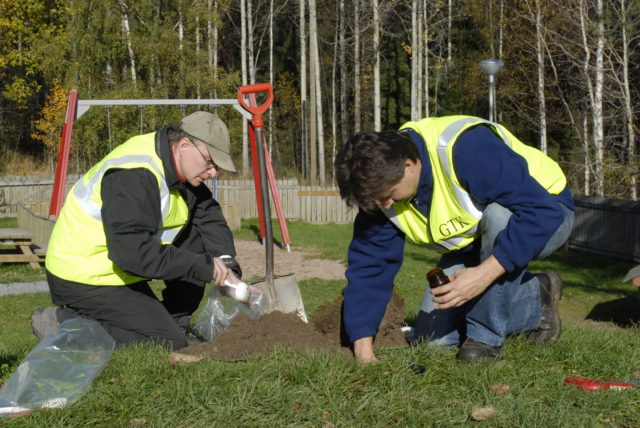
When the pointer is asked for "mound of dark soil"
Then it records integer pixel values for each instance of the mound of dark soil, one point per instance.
(248, 338)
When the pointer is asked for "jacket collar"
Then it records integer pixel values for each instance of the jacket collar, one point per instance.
(163, 149)
(425, 184)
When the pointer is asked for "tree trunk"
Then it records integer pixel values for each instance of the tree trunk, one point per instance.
(419, 54)
(587, 159)
(377, 105)
(272, 125)
(542, 109)
(425, 48)
(415, 73)
(127, 35)
(243, 65)
(313, 32)
(304, 158)
(449, 25)
(590, 94)
(334, 107)
(356, 67)
(343, 73)
(198, 55)
(598, 120)
(212, 44)
(501, 29)
(180, 29)
(628, 110)
(250, 56)
(313, 116)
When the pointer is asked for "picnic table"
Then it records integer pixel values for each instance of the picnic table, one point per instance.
(21, 252)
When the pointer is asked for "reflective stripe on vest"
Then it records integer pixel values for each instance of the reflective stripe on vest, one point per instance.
(84, 191)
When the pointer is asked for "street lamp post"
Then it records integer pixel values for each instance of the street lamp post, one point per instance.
(491, 67)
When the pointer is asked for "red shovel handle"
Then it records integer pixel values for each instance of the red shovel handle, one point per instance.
(258, 121)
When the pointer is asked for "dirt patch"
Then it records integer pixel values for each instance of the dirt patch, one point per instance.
(248, 338)
(328, 321)
(304, 263)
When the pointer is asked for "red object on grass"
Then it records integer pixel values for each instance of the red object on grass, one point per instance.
(595, 385)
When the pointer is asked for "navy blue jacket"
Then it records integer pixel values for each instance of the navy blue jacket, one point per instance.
(491, 172)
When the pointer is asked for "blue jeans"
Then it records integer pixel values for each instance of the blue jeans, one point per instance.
(510, 305)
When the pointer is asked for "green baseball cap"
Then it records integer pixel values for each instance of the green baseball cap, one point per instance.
(211, 130)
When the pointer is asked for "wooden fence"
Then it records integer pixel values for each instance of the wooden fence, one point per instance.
(313, 204)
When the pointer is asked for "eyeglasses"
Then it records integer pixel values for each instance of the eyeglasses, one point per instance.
(209, 162)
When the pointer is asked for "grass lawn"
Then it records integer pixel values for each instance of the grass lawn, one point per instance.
(290, 388)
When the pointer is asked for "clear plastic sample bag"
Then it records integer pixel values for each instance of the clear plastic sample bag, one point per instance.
(220, 310)
(60, 369)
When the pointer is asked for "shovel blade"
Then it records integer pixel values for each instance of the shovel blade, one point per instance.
(288, 298)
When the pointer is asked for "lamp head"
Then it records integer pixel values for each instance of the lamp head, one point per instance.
(491, 66)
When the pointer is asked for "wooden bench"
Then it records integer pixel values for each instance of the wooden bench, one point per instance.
(21, 252)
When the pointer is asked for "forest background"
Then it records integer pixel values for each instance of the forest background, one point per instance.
(570, 84)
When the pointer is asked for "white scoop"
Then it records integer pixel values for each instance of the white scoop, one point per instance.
(240, 291)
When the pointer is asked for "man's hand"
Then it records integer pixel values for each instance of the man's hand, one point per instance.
(363, 350)
(467, 283)
(222, 272)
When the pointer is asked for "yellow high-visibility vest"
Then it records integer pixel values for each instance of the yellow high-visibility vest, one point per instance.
(453, 214)
(77, 249)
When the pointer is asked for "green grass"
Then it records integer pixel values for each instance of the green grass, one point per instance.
(292, 388)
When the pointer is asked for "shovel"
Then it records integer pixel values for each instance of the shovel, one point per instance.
(282, 292)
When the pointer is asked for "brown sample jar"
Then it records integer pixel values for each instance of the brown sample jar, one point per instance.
(436, 278)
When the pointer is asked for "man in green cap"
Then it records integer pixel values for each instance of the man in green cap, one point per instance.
(143, 213)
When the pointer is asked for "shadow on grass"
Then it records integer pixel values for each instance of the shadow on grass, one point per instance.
(256, 231)
(624, 312)
(10, 360)
(591, 273)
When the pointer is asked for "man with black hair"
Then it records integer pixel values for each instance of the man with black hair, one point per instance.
(470, 189)
(143, 212)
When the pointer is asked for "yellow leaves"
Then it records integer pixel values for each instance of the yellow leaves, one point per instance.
(407, 48)
(19, 90)
(49, 126)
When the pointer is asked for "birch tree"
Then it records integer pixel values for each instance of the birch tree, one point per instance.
(272, 124)
(313, 34)
(243, 61)
(357, 119)
(597, 113)
(126, 31)
(343, 71)
(415, 54)
(313, 105)
(303, 88)
(377, 105)
(251, 60)
(212, 43)
(535, 13)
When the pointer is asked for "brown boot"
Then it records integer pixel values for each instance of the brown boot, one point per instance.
(548, 331)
